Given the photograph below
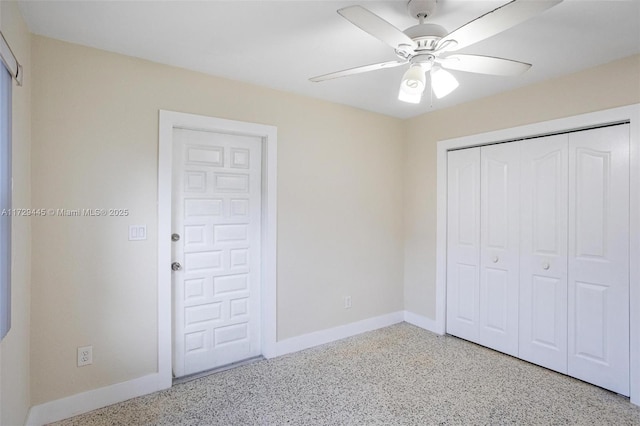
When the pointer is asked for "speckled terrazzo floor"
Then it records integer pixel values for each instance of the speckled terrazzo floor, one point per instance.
(399, 375)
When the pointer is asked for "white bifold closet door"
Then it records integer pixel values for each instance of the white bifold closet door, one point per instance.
(482, 288)
(598, 290)
(538, 251)
(463, 243)
(543, 251)
(499, 251)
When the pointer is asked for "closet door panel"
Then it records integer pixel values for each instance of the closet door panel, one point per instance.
(463, 243)
(543, 252)
(499, 252)
(599, 257)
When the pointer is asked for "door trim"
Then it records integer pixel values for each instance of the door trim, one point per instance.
(629, 114)
(168, 120)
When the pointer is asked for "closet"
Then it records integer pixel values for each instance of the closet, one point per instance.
(538, 251)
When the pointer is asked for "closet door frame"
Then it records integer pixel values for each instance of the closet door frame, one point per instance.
(629, 114)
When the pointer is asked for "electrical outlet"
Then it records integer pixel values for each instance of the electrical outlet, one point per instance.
(85, 355)
(347, 302)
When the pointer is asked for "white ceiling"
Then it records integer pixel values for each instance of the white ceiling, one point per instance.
(281, 44)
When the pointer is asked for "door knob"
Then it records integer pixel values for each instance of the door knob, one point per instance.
(175, 237)
(176, 266)
(495, 259)
(545, 266)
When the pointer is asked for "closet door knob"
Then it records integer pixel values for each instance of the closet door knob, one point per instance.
(495, 259)
(545, 266)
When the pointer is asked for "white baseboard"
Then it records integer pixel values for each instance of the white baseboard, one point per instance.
(298, 343)
(423, 322)
(92, 400)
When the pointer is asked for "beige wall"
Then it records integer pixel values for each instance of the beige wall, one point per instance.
(95, 138)
(607, 86)
(14, 349)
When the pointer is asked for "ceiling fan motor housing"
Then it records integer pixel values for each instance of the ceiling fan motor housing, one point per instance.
(426, 36)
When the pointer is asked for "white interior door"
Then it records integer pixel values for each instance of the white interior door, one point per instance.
(216, 211)
(543, 251)
(499, 247)
(599, 257)
(463, 243)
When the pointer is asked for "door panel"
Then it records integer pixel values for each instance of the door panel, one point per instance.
(591, 321)
(543, 251)
(467, 279)
(496, 291)
(546, 315)
(216, 211)
(599, 257)
(499, 252)
(463, 243)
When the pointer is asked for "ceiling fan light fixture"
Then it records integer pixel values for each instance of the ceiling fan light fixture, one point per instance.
(409, 98)
(442, 82)
(414, 80)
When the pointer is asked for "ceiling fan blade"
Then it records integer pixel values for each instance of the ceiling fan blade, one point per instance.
(496, 21)
(376, 26)
(484, 65)
(357, 70)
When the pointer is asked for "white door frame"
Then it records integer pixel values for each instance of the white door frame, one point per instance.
(168, 121)
(629, 113)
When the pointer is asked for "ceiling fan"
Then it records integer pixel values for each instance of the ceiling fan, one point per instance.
(426, 46)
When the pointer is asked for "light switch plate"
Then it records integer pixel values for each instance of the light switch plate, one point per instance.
(137, 232)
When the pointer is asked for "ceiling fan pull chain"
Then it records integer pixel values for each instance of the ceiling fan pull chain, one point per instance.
(430, 91)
